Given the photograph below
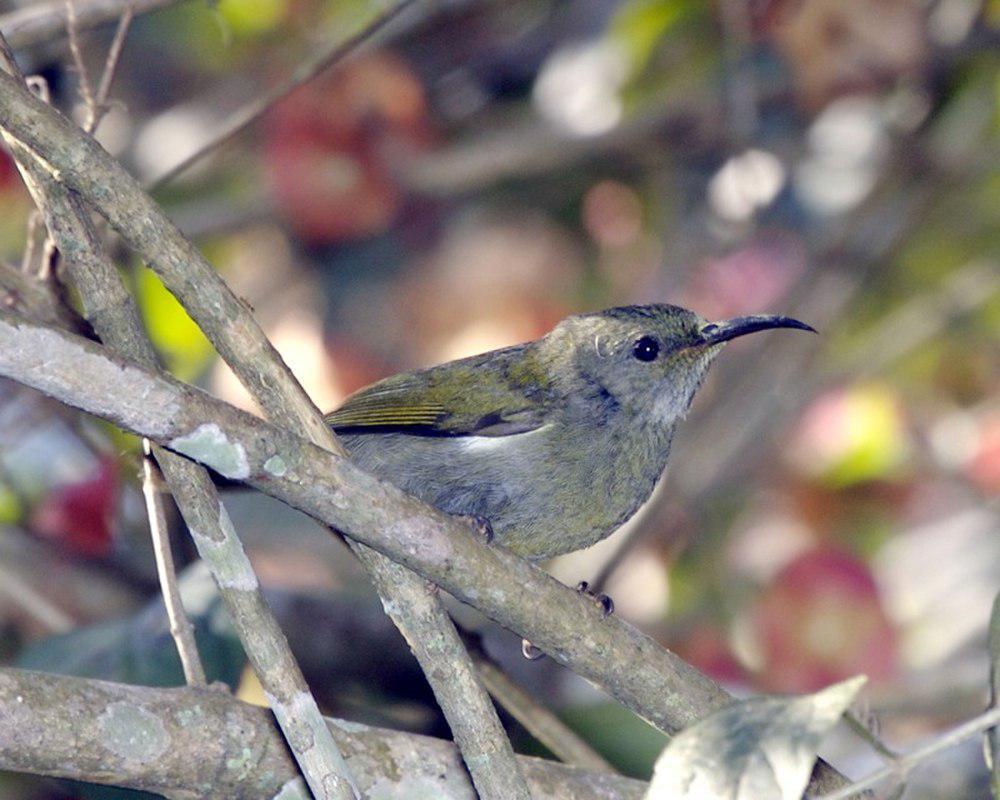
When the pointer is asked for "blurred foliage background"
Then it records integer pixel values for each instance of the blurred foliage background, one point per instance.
(474, 173)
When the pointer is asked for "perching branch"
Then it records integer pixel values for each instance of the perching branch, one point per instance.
(202, 744)
(633, 668)
(240, 341)
(113, 313)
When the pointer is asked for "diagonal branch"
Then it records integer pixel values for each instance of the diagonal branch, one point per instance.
(85, 167)
(115, 318)
(646, 678)
(202, 744)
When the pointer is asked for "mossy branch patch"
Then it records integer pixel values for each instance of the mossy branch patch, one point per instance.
(209, 445)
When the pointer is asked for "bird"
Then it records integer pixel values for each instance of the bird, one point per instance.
(550, 445)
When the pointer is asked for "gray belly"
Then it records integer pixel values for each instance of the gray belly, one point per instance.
(539, 503)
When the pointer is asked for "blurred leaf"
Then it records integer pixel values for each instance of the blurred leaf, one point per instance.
(249, 689)
(640, 25)
(184, 347)
(138, 650)
(852, 436)
(876, 439)
(759, 748)
(119, 441)
(253, 17)
(619, 735)
(10, 506)
(820, 620)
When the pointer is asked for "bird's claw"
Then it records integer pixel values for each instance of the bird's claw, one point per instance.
(605, 601)
(482, 528)
(530, 652)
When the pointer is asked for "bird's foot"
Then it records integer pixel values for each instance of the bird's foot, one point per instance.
(606, 603)
(481, 527)
(530, 652)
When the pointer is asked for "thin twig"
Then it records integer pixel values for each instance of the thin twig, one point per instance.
(905, 763)
(181, 628)
(993, 735)
(38, 22)
(541, 723)
(110, 68)
(82, 74)
(305, 72)
(858, 725)
(30, 240)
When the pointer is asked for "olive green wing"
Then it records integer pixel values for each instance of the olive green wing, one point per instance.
(495, 394)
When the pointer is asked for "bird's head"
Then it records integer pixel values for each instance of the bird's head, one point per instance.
(649, 359)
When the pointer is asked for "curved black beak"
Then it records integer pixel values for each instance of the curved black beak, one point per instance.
(719, 332)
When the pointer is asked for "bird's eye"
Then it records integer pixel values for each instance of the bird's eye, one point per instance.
(709, 330)
(646, 348)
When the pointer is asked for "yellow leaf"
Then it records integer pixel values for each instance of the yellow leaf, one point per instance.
(183, 346)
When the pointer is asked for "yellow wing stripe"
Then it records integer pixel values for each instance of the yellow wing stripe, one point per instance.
(385, 416)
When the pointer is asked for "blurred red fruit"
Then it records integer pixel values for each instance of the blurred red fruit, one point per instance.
(332, 147)
(707, 648)
(983, 468)
(8, 172)
(821, 621)
(82, 515)
(748, 280)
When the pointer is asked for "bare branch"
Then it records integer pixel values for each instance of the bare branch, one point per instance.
(180, 626)
(115, 317)
(110, 68)
(650, 680)
(413, 606)
(82, 74)
(83, 165)
(206, 745)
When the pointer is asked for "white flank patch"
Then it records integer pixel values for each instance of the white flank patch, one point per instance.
(491, 444)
